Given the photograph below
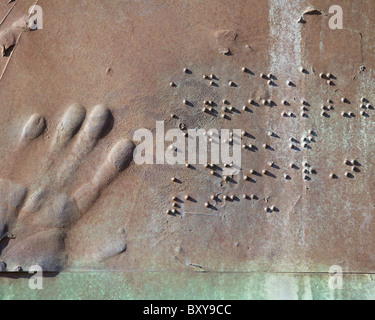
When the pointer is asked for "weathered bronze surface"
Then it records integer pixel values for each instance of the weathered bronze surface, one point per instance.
(73, 94)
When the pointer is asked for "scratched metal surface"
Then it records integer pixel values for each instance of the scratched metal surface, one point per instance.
(124, 54)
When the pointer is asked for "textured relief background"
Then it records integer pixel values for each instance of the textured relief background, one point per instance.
(74, 202)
